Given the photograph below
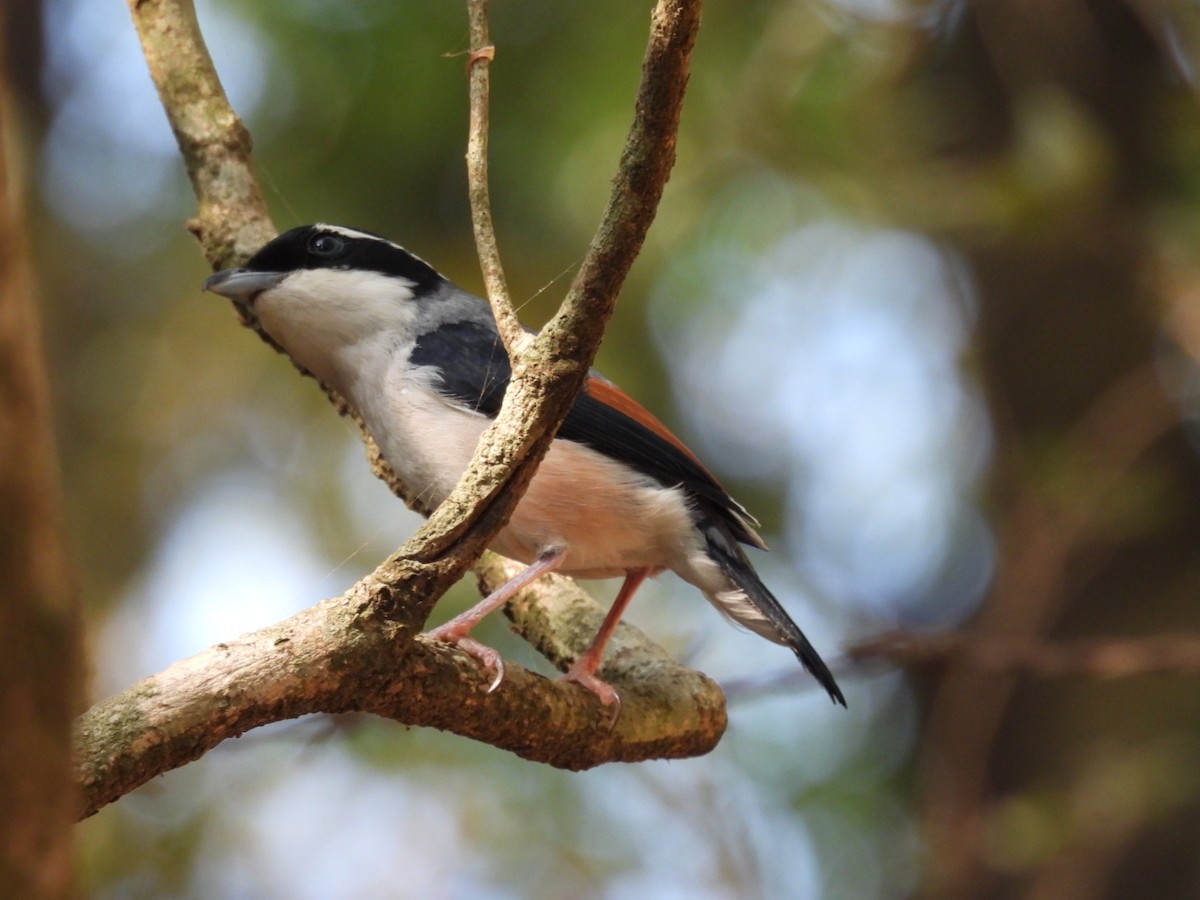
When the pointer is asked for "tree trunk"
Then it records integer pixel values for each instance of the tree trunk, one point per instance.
(40, 665)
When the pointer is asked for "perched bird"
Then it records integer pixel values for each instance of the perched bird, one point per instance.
(617, 495)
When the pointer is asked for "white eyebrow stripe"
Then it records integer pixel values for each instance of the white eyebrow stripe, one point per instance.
(356, 235)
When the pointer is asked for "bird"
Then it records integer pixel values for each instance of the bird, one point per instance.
(617, 495)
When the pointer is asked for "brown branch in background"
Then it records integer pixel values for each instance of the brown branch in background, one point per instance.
(1105, 658)
(331, 657)
(1037, 546)
(478, 68)
(41, 662)
(1170, 654)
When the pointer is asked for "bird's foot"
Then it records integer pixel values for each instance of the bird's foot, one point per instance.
(582, 675)
(491, 660)
(458, 630)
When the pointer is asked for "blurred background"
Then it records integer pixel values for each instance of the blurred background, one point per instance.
(923, 291)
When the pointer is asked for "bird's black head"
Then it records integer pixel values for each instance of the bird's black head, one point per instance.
(334, 247)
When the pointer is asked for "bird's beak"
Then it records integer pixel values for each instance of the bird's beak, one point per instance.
(242, 285)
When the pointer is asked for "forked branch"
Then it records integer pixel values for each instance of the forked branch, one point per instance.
(358, 651)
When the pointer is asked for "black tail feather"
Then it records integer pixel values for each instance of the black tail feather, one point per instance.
(729, 556)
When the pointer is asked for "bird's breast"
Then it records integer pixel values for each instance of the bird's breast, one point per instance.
(427, 441)
(610, 517)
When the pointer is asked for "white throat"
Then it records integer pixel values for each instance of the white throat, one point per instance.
(327, 318)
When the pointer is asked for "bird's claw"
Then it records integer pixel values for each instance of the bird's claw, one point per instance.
(489, 658)
(603, 691)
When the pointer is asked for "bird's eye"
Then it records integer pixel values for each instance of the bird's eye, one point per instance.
(326, 245)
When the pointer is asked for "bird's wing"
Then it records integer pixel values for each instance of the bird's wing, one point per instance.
(474, 371)
(470, 361)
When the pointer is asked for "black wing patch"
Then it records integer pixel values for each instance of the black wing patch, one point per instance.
(471, 361)
(474, 372)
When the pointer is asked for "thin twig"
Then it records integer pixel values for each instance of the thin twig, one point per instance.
(1173, 654)
(478, 70)
(1106, 658)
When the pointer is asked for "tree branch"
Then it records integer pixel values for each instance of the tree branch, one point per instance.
(478, 66)
(232, 220)
(342, 655)
(994, 655)
(1173, 654)
(332, 657)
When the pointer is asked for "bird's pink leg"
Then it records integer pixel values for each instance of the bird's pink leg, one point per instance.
(458, 630)
(583, 672)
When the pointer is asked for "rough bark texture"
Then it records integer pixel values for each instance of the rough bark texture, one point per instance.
(343, 655)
